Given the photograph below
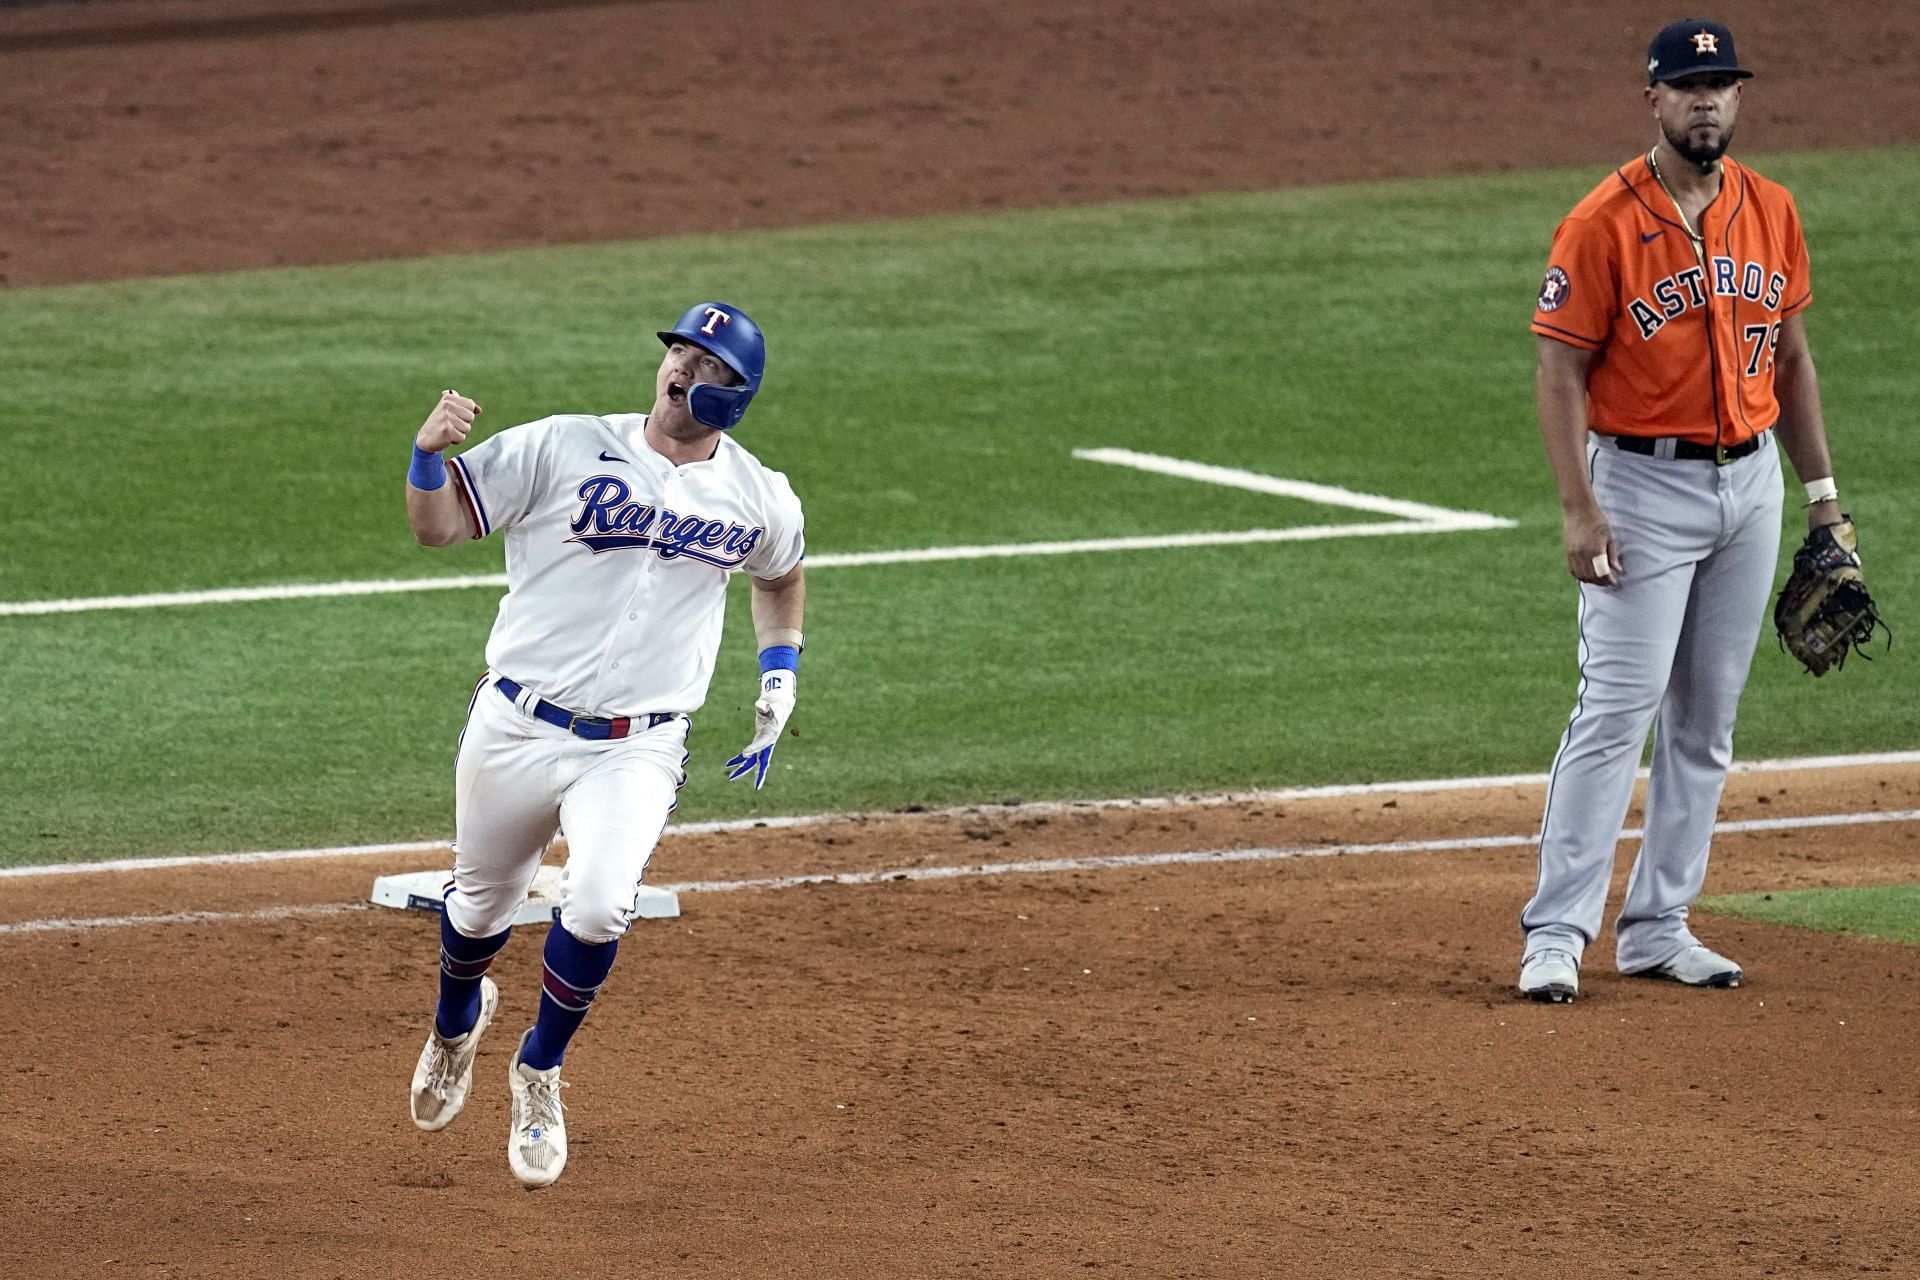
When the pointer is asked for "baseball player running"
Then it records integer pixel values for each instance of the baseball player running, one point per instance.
(1672, 354)
(621, 532)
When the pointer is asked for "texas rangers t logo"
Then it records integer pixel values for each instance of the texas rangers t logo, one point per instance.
(1705, 42)
(715, 314)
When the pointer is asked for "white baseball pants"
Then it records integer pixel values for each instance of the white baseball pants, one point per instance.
(519, 779)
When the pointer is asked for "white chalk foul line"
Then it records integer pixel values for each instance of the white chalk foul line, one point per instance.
(1428, 517)
(244, 595)
(1106, 862)
(220, 859)
(257, 916)
(1156, 542)
(1416, 517)
(1037, 866)
(1027, 809)
(855, 559)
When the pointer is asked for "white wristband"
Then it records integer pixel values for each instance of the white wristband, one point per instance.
(1822, 490)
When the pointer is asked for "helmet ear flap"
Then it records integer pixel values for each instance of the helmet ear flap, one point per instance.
(718, 407)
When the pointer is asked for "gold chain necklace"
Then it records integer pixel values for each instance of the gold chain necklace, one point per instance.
(1699, 240)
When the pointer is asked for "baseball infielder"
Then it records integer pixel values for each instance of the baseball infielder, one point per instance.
(621, 532)
(1671, 355)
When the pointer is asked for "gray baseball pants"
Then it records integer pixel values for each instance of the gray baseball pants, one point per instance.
(1668, 649)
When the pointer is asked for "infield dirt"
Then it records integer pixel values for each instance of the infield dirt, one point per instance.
(1303, 1068)
(175, 136)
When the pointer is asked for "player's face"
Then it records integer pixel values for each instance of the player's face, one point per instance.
(1696, 114)
(684, 365)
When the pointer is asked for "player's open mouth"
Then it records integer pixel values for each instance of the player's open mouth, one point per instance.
(675, 392)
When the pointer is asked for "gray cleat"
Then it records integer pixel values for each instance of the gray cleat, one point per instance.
(1551, 976)
(1697, 966)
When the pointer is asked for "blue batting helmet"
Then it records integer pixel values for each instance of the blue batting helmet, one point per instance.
(728, 333)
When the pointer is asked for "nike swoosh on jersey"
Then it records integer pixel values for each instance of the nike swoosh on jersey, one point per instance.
(608, 457)
(1647, 238)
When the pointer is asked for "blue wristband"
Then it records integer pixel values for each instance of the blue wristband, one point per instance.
(779, 657)
(429, 470)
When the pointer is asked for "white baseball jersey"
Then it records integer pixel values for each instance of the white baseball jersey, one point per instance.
(617, 559)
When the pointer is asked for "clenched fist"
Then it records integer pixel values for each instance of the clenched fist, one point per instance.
(449, 422)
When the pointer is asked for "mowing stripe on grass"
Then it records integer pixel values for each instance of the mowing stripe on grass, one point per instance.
(970, 871)
(1029, 809)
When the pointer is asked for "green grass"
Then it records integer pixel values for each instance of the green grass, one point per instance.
(928, 382)
(1887, 911)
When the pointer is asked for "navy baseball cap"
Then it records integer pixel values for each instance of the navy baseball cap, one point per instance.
(1692, 47)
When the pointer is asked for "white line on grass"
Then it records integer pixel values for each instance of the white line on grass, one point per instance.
(1035, 808)
(244, 595)
(855, 559)
(1429, 517)
(1038, 866)
(1417, 517)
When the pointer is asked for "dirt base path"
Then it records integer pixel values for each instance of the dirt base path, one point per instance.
(204, 135)
(1307, 1067)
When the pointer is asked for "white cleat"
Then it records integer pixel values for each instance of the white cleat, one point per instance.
(1697, 966)
(537, 1142)
(1551, 977)
(444, 1073)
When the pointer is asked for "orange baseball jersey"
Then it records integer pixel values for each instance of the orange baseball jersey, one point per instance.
(1684, 346)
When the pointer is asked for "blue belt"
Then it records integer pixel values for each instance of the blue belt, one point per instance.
(580, 726)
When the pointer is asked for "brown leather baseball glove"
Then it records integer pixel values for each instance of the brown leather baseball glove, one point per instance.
(1824, 608)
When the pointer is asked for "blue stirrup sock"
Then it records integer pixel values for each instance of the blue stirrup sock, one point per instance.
(575, 972)
(463, 962)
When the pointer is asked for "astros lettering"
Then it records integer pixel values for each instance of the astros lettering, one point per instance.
(1684, 291)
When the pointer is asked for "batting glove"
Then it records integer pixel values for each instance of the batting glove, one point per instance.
(770, 715)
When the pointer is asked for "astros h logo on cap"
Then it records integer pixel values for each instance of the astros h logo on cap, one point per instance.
(1691, 47)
